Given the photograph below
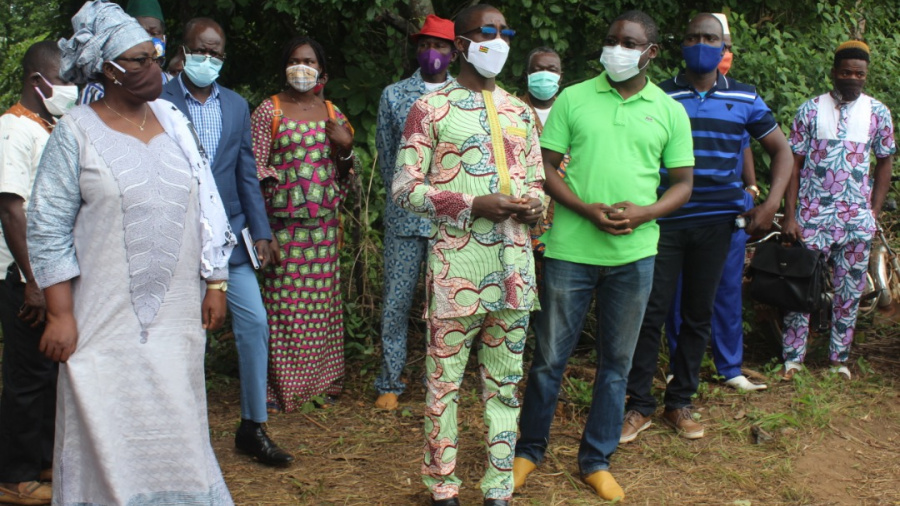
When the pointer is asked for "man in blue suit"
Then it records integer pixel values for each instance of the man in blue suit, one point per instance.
(222, 120)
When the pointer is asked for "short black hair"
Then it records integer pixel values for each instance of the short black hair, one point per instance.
(292, 45)
(39, 55)
(641, 18)
(537, 51)
(851, 53)
(202, 22)
(461, 23)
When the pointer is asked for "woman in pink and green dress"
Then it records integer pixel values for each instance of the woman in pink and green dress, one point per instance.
(303, 149)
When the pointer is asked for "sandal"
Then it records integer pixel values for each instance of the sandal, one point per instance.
(790, 369)
(842, 370)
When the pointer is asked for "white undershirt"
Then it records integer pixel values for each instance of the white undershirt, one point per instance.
(543, 114)
(432, 86)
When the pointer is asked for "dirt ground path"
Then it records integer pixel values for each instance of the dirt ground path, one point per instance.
(831, 443)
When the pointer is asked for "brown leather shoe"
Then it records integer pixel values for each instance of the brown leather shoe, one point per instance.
(27, 493)
(683, 423)
(634, 424)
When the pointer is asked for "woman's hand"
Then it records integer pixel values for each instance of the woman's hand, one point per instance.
(60, 337)
(213, 309)
(339, 136)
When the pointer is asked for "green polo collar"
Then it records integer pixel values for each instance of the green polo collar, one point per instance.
(649, 92)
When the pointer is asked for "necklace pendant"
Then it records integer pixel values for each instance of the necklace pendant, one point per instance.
(142, 128)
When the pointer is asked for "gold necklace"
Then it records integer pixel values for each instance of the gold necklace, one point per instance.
(141, 126)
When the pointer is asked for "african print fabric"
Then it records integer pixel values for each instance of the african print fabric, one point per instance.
(470, 144)
(502, 336)
(405, 235)
(303, 192)
(834, 210)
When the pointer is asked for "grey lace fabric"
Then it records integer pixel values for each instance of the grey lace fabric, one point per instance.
(123, 221)
(155, 184)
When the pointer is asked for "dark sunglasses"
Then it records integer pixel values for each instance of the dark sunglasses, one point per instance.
(491, 31)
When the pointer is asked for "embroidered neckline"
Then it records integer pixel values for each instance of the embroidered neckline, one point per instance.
(23, 112)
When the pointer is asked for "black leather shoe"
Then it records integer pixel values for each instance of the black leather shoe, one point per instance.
(496, 502)
(252, 439)
(453, 501)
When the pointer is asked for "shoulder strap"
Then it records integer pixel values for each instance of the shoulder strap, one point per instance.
(277, 114)
(331, 115)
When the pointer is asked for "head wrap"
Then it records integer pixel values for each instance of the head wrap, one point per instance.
(102, 32)
(144, 8)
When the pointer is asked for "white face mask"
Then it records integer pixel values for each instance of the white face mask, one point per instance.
(301, 77)
(621, 64)
(487, 57)
(62, 99)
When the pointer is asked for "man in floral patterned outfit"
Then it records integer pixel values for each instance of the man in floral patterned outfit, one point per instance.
(470, 161)
(832, 137)
(405, 234)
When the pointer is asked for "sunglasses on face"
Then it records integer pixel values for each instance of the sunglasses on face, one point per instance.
(491, 32)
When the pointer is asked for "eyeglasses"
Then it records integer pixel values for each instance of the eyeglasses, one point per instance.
(141, 61)
(201, 55)
(491, 32)
(627, 44)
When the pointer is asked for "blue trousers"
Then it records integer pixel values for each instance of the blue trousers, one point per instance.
(727, 336)
(251, 337)
(622, 293)
(403, 260)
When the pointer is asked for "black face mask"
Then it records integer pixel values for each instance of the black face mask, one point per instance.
(848, 90)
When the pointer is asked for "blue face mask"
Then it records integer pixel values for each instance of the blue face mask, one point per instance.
(543, 85)
(702, 58)
(201, 69)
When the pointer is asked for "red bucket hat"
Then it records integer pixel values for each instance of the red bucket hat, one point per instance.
(435, 27)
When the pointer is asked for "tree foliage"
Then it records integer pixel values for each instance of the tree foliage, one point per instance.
(783, 48)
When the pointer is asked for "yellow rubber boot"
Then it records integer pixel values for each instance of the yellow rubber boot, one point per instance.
(387, 402)
(522, 467)
(605, 485)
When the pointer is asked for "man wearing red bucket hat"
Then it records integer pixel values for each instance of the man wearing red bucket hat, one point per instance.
(406, 235)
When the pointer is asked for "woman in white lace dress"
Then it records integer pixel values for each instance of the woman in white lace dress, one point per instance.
(124, 224)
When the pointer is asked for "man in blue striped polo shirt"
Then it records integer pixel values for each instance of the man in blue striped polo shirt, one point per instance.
(694, 240)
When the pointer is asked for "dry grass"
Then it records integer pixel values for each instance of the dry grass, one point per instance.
(834, 443)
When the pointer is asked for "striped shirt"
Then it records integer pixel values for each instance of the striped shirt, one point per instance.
(721, 120)
(206, 117)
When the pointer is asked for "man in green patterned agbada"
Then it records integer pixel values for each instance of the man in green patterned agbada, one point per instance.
(470, 161)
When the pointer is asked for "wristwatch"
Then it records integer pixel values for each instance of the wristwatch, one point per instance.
(221, 285)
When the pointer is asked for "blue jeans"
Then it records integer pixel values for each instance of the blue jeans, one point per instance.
(251, 337)
(622, 293)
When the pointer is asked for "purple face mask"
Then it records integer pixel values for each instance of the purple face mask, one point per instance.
(433, 62)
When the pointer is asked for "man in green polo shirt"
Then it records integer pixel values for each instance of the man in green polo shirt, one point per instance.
(620, 129)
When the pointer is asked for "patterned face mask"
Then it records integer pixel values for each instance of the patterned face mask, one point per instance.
(301, 77)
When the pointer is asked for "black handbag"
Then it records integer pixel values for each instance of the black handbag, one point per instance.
(792, 277)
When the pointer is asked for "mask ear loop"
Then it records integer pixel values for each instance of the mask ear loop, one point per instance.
(116, 65)
(648, 61)
(38, 89)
